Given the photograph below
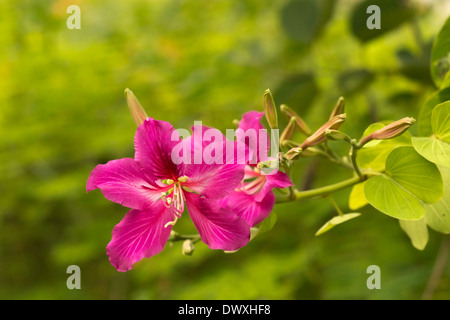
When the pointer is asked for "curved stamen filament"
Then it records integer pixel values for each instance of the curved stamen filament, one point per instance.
(171, 223)
(178, 199)
(254, 186)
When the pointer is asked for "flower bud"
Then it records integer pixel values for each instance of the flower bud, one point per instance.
(390, 131)
(336, 135)
(319, 136)
(136, 109)
(270, 110)
(288, 132)
(301, 125)
(188, 247)
(293, 154)
(338, 108)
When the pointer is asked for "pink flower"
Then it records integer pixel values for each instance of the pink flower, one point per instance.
(157, 191)
(253, 199)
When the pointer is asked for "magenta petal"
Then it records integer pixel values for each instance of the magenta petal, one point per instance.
(218, 227)
(140, 234)
(251, 132)
(213, 179)
(246, 207)
(122, 181)
(153, 144)
(277, 180)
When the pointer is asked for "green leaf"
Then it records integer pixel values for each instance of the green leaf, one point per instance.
(302, 20)
(440, 55)
(337, 220)
(266, 225)
(437, 147)
(357, 198)
(408, 183)
(374, 158)
(393, 14)
(373, 127)
(417, 232)
(437, 215)
(424, 118)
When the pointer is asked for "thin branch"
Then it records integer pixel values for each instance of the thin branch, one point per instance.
(438, 269)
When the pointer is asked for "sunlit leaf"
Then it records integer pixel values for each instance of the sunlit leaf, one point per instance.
(374, 158)
(335, 221)
(436, 148)
(409, 182)
(437, 215)
(417, 232)
(424, 118)
(357, 198)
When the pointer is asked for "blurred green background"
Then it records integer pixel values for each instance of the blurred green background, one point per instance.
(63, 111)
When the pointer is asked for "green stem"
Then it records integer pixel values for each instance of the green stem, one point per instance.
(175, 236)
(335, 205)
(320, 192)
(353, 151)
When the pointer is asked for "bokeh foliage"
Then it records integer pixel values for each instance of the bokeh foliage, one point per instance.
(62, 111)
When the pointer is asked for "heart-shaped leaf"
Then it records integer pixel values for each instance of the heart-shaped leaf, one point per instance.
(437, 147)
(408, 182)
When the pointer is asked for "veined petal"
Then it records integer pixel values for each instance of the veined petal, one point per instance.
(277, 180)
(153, 144)
(250, 133)
(246, 207)
(218, 227)
(122, 181)
(140, 234)
(214, 179)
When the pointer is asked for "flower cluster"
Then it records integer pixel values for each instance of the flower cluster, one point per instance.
(224, 200)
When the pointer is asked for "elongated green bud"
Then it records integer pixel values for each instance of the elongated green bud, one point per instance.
(390, 131)
(339, 108)
(336, 135)
(270, 110)
(301, 125)
(136, 109)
